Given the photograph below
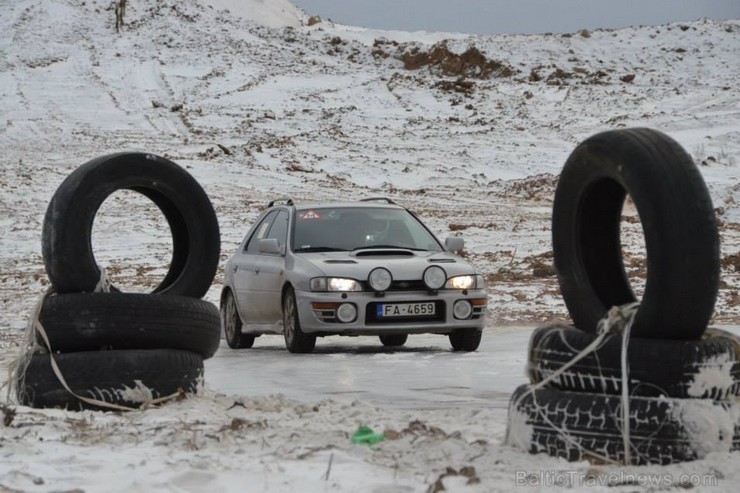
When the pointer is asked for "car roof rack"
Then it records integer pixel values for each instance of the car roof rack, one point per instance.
(284, 200)
(374, 199)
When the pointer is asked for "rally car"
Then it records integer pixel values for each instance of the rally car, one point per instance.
(354, 268)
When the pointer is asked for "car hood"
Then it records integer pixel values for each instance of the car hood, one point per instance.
(404, 265)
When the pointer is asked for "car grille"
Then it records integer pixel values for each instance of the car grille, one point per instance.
(371, 316)
(416, 285)
(328, 315)
(478, 312)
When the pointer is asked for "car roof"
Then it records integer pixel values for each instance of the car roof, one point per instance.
(340, 205)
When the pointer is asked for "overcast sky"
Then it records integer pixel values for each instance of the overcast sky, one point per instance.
(515, 16)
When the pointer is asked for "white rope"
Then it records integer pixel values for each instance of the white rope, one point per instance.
(40, 329)
(103, 285)
(631, 312)
(618, 318)
(608, 326)
(17, 368)
(564, 433)
(32, 347)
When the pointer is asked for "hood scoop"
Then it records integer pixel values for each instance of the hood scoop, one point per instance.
(373, 252)
(442, 260)
(338, 261)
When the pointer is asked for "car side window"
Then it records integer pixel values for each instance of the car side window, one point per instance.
(279, 229)
(260, 233)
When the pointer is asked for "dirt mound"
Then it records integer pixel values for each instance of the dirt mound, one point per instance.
(556, 76)
(460, 85)
(471, 63)
(441, 61)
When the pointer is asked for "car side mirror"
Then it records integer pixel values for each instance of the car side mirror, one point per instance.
(454, 244)
(269, 245)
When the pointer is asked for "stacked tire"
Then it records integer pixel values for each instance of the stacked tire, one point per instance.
(683, 379)
(94, 347)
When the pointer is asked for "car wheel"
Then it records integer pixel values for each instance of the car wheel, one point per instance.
(233, 325)
(296, 340)
(394, 339)
(465, 339)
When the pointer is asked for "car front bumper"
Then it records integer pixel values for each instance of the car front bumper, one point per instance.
(320, 321)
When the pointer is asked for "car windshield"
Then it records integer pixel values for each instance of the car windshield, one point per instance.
(353, 228)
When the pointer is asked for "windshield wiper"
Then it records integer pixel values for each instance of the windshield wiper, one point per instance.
(375, 247)
(319, 249)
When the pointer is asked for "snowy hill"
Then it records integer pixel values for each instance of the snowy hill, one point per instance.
(270, 13)
(470, 131)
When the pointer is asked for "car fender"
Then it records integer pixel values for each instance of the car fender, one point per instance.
(299, 271)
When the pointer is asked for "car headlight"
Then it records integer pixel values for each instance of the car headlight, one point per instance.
(334, 284)
(435, 277)
(380, 279)
(461, 282)
(466, 282)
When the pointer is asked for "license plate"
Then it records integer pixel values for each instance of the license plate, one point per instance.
(388, 310)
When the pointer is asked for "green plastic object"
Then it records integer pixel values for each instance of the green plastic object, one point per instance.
(366, 436)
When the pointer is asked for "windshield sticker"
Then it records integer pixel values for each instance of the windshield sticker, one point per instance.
(310, 216)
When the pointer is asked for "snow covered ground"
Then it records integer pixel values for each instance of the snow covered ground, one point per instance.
(256, 105)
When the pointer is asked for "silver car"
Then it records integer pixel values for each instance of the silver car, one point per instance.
(356, 268)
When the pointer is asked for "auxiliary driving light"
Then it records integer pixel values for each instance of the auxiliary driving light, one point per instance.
(380, 279)
(462, 309)
(346, 313)
(435, 277)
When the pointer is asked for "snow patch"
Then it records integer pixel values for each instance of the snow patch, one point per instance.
(138, 393)
(709, 426)
(519, 433)
(715, 374)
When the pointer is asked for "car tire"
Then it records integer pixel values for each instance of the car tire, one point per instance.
(706, 368)
(465, 339)
(296, 340)
(577, 426)
(681, 235)
(127, 378)
(66, 244)
(393, 340)
(91, 321)
(232, 324)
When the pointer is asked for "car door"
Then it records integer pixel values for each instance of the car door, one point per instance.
(245, 267)
(270, 274)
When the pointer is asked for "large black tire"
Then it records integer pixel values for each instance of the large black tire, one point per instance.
(296, 340)
(393, 340)
(116, 377)
(66, 243)
(577, 426)
(91, 321)
(705, 368)
(678, 221)
(465, 339)
(232, 324)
